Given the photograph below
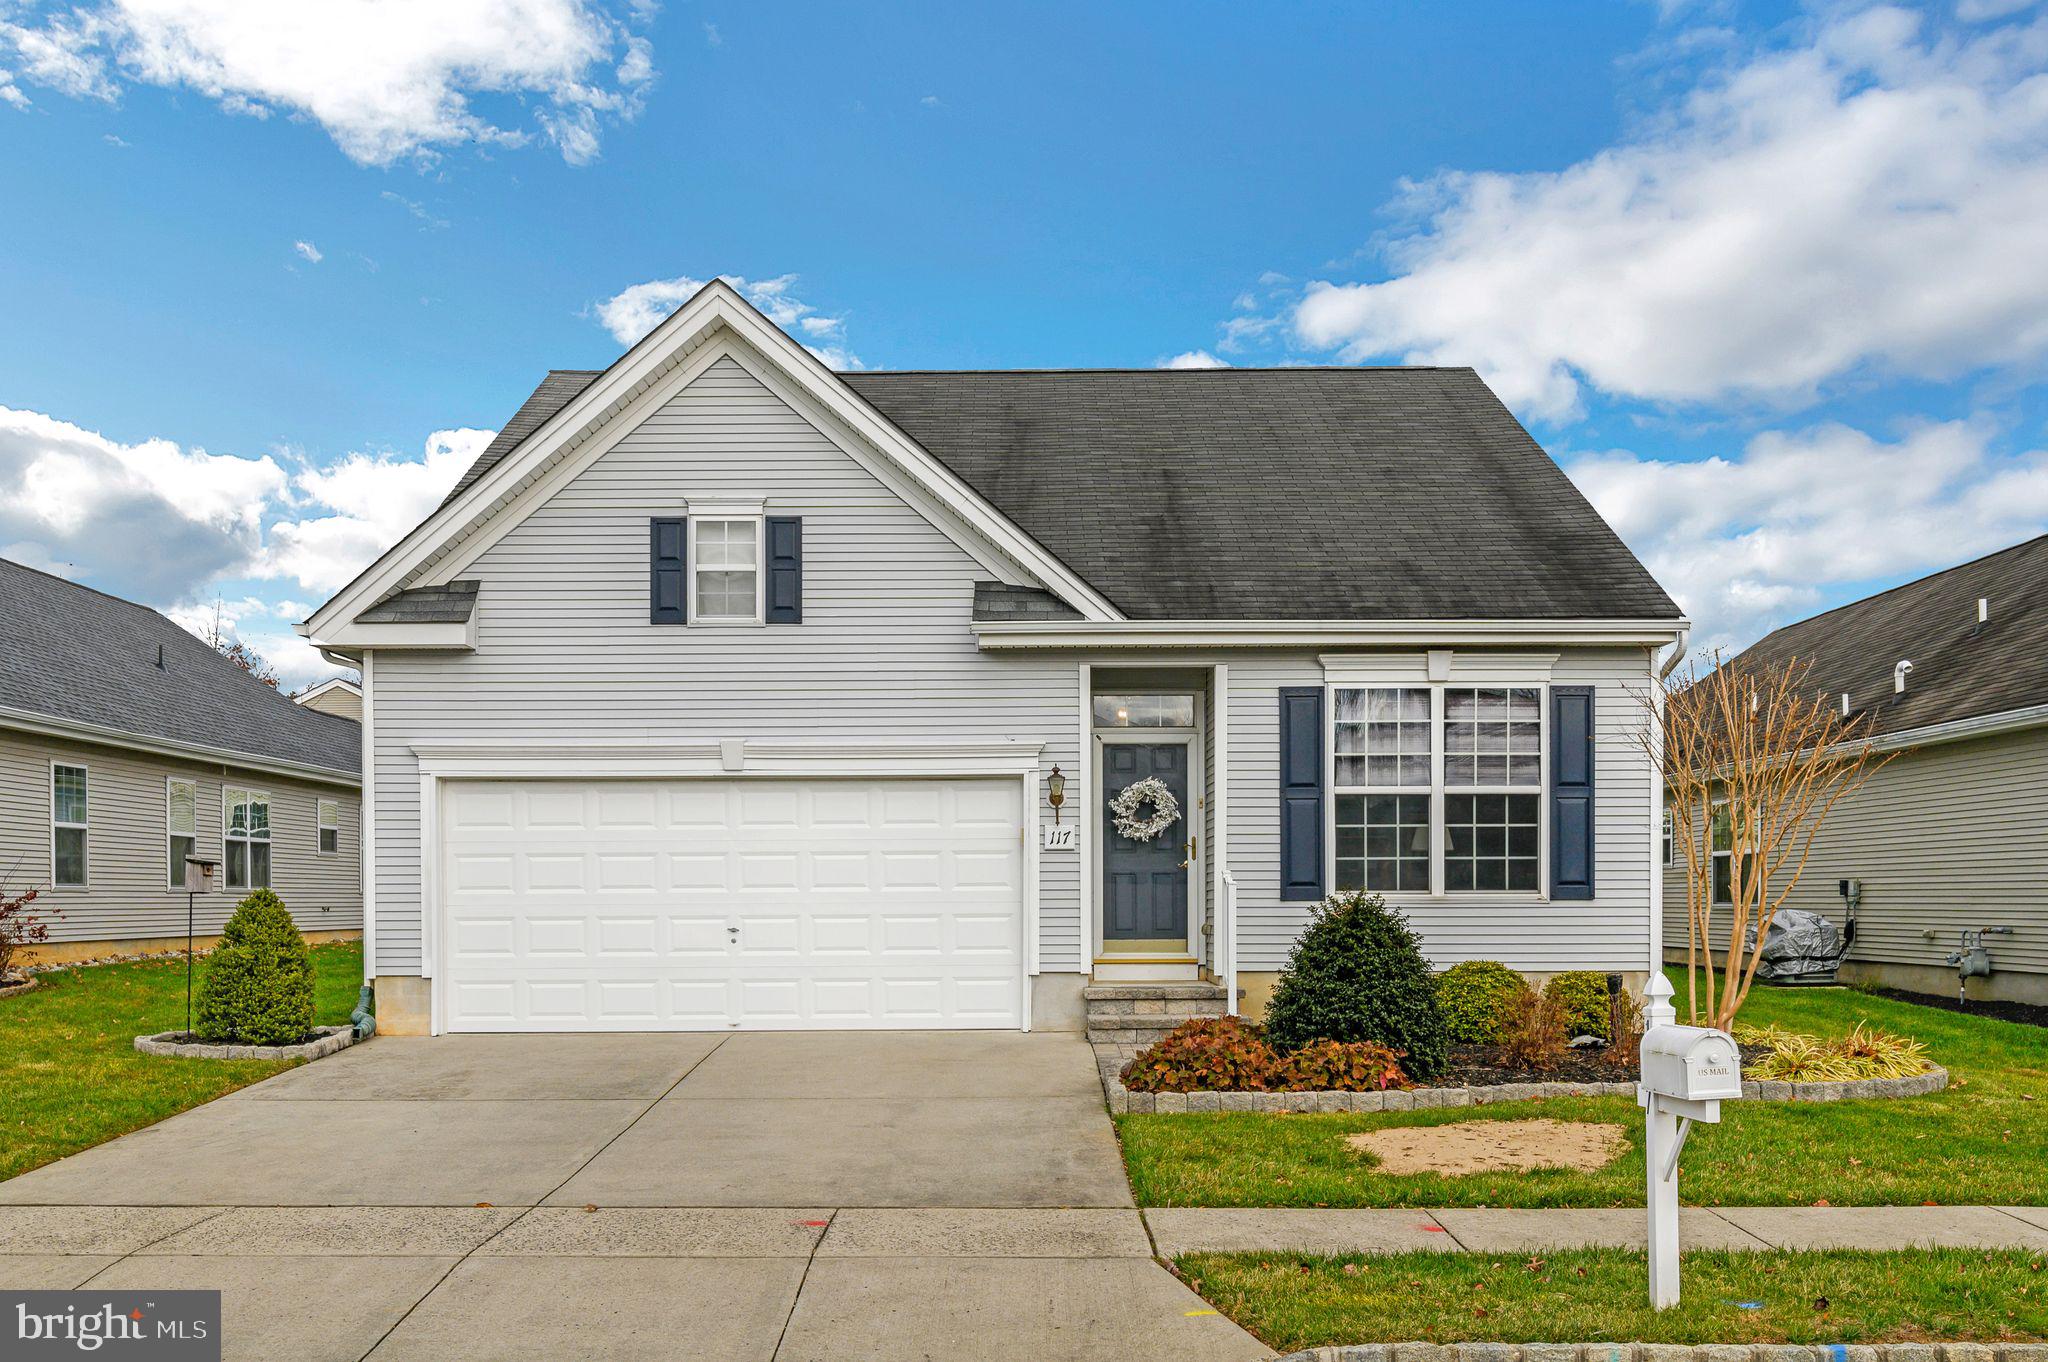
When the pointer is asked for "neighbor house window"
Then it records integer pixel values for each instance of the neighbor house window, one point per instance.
(1723, 833)
(330, 826)
(1667, 836)
(246, 816)
(68, 826)
(181, 827)
(1438, 785)
(725, 570)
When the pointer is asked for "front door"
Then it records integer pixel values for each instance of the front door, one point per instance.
(1145, 883)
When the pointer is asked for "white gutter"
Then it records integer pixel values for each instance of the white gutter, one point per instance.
(1960, 730)
(994, 634)
(45, 725)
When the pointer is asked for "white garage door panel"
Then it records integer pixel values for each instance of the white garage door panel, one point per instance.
(708, 905)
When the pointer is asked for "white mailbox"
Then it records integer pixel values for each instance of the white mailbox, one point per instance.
(1692, 1063)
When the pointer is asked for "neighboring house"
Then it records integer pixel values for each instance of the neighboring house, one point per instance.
(728, 691)
(336, 695)
(1952, 834)
(127, 744)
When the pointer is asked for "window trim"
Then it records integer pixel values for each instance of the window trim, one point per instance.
(321, 827)
(86, 827)
(175, 871)
(700, 516)
(1437, 682)
(227, 836)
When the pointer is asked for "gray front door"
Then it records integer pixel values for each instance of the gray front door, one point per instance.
(1145, 884)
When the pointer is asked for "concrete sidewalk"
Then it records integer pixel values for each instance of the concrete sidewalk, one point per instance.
(1229, 1229)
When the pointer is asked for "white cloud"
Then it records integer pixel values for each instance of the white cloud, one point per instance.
(1194, 359)
(416, 208)
(636, 310)
(151, 520)
(1751, 542)
(387, 81)
(369, 501)
(308, 251)
(1869, 203)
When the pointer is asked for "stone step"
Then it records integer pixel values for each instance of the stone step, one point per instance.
(1107, 1009)
(1094, 992)
(1130, 1030)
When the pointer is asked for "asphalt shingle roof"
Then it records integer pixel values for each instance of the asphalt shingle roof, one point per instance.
(449, 604)
(71, 653)
(1959, 671)
(1349, 493)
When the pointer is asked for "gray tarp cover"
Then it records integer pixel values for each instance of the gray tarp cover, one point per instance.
(1799, 943)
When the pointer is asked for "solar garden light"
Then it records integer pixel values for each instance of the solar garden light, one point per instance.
(198, 880)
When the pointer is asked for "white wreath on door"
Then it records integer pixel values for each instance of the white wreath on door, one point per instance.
(1130, 800)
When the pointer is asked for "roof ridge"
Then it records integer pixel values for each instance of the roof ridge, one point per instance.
(1902, 586)
(1156, 369)
(103, 595)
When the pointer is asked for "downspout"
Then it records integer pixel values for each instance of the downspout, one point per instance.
(1657, 803)
(366, 866)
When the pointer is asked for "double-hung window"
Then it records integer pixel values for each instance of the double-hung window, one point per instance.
(181, 827)
(1667, 834)
(1383, 769)
(1438, 788)
(69, 826)
(725, 568)
(330, 826)
(1724, 830)
(246, 816)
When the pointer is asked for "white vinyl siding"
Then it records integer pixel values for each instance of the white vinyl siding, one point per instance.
(1609, 932)
(1945, 837)
(565, 651)
(130, 895)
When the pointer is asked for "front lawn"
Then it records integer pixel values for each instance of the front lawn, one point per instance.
(70, 1076)
(1916, 1295)
(1983, 1140)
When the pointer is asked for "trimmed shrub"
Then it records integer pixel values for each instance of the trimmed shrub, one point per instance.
(1581, 997)
(1535, 1036)
(1477, 999)
(1335, 1066)
(1357, 974)
(258, 986)
(1209, 1054)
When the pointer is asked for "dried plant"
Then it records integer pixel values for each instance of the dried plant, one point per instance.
(1781, 755)
(1535, 1037)
(18, 926)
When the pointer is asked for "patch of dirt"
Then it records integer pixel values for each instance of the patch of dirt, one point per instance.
(2027, 1014)
(1493, 1146)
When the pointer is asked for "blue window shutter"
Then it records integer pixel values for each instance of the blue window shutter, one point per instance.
(785, 569)
(1301, 793)
(667, 573)
(1571, 792)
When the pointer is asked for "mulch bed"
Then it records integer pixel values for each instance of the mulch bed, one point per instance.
(2027, 1014)
(1483, 1066)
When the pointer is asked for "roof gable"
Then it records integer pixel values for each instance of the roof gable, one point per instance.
(77, 656)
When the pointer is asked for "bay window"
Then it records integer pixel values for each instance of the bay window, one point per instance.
(1438, 789)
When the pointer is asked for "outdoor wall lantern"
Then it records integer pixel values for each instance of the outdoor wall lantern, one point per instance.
(1056, 792)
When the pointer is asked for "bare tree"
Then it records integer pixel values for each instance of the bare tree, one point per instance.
(234, 650)
(1754, 759)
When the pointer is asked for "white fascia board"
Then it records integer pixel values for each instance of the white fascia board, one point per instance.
(329, 684)
(629, 378)
(445, 637)
(1321, 634)
(48, 726)
(1961, 730)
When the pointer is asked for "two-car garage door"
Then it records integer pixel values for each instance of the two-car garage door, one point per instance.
(714, 904)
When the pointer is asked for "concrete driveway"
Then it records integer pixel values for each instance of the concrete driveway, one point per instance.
(768, 1195)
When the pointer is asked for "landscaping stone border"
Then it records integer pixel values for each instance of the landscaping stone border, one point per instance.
(1674, 1352)
(331, 1038)
(19, 986)
(1110, 1061)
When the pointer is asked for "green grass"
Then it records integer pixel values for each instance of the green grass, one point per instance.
(1983, 1140)
(70, 1076)
(1292, 1301)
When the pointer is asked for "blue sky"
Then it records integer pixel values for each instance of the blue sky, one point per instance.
(1769, 281)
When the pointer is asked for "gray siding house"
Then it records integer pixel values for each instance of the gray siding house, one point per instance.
(727, 691)
(1952, 835)
(336, 695)
(126, 744)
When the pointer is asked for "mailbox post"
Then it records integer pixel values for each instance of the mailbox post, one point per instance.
(1688, 1071)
